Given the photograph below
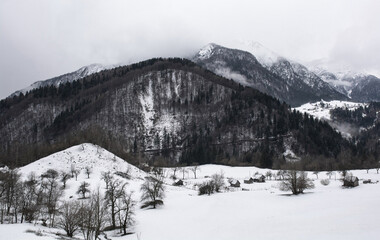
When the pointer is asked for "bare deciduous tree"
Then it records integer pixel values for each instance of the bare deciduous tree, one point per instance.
(64, 177)
(329, 173)
(76, 173)
(51, 193)
(175, 170)
(83, 189)
(70, 218)
(194, 169)
(87, 220)
(107, 177)
(88, 171)
(183, 170)
(72, 170)
(268, 174)
(29, 205)
(296, 181)
(125, 211)
(99, 212)
(115, 191)
(153, 191)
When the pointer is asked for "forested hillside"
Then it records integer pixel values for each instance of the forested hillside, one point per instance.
(168, 112)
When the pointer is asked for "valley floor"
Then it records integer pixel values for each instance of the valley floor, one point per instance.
(260, 212)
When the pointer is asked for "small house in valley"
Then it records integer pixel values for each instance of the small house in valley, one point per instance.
(350, 181)
(234, 183)
(259, 178)
(248, 181)
(178, 183)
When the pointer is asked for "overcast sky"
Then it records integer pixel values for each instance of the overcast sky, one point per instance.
(40, 39)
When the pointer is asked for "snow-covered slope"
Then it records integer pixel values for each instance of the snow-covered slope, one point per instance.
(321, 109)
(81, 156)
(252, 211)
(68, 77)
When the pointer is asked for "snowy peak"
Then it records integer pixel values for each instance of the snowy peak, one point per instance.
(206, 51)
(62, 79)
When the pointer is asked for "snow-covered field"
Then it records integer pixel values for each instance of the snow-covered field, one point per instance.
(253, 211)
(321, 109)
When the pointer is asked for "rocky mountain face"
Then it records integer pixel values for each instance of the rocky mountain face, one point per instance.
(65, 78)
(165, 111)
(358, 87)
(286, 80)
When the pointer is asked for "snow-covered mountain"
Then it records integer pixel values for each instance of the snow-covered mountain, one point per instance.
(268, 72)
(68, 77)
(291, 71)
(358, 86)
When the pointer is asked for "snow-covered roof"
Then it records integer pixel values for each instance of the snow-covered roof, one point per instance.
(350, 178)
(233, 181)
(257, 176)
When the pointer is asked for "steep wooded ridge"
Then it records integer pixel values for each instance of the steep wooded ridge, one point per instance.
(288, 81)
(166, 111)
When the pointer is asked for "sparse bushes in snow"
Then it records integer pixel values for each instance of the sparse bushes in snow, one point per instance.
(206, 188)
(218, 180)
(325, 182)
(214, 185)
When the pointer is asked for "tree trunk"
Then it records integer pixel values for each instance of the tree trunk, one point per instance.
(125, 229)
(113, 215)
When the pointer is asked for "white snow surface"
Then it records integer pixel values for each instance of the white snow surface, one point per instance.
(82, 156)
(321, 109)
(261, 211)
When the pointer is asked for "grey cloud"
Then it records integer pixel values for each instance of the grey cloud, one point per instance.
(42, 38)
